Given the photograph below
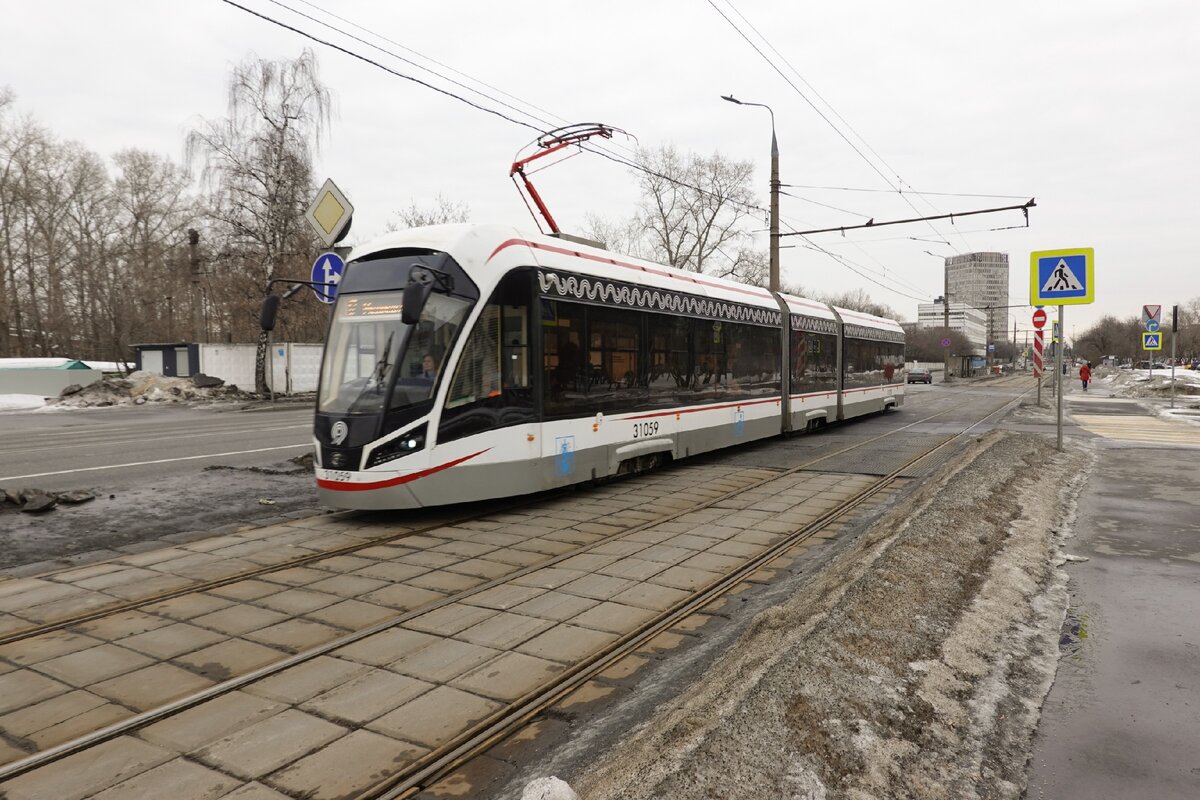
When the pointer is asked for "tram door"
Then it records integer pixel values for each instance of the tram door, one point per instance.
(491, 393)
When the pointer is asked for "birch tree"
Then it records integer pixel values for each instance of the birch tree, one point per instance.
(258, 162)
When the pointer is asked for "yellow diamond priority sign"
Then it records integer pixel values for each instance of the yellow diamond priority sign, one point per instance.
(329, 215)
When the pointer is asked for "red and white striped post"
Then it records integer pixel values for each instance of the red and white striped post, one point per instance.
(1039, 321)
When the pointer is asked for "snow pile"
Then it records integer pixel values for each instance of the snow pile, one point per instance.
(548, 789)
(1148, 383)
(146, 387)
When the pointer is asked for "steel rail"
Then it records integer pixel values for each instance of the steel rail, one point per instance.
(441, 761)
(216, 583)
(60, 751)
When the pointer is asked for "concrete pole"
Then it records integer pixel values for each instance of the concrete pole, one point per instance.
(1174, 330)
(774, 207)
(775, 185)
(946, 323)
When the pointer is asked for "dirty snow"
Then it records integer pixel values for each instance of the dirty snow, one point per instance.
(548, 789)
(913, 666)
(146, 387)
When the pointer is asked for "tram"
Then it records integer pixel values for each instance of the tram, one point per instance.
(466, 362)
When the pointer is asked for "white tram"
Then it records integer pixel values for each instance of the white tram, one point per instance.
(466, 362)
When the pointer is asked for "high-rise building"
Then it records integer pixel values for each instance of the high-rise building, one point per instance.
(981, 280)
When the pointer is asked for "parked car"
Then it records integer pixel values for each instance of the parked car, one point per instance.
(920, 375)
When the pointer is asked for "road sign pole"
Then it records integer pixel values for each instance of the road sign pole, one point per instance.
(1058, 358)
(1174, 329)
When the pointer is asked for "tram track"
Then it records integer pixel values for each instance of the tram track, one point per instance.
(349, 549)
(443, 759)
(453, 754)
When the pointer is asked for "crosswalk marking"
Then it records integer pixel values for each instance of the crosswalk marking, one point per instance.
(1137, 428)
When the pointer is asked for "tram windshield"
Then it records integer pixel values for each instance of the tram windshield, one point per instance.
(371, 350)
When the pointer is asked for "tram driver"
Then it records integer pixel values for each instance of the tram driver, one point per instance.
(429, 368)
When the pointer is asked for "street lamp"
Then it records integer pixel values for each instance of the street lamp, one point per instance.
(774, 280)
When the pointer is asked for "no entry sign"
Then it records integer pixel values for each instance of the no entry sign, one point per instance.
(1039, 318)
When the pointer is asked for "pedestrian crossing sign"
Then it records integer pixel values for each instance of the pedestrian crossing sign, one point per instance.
(1062, 277)
(1151, 341)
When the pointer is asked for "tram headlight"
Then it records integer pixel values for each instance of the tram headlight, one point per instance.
(403, 445)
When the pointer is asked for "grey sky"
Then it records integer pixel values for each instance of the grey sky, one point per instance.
(1092, 107)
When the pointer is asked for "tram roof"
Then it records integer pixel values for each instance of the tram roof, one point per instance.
(869, 320)
(476, 247)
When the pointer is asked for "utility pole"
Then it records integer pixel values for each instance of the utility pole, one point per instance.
(946, 324)
(199, 332)
(774, 207)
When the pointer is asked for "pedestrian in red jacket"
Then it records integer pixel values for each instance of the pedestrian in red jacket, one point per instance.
(1085, 375)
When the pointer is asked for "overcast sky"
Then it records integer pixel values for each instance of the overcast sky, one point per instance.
(1091, 107)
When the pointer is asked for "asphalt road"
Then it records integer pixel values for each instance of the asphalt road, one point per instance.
(156, 472)
(164, 473)
(116, 449)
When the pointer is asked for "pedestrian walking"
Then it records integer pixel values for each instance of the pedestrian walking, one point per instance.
(1085, 375)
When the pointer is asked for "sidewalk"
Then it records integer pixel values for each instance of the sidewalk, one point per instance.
(1123, 717)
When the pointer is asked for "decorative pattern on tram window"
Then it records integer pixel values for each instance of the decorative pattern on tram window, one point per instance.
(624, 295)
(873, 334)
(803, 322)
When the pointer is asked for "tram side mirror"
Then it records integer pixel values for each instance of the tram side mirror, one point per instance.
(416, 295)
(270, 310)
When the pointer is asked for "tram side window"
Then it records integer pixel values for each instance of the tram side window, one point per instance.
(614, 350)
(814, 362)
(893, 362)
(564, 368)
(710, 375)
(753, 359)
(491, 386)
(669, 365)
(863, 363)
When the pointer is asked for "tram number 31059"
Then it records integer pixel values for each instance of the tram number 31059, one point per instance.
(643, 429)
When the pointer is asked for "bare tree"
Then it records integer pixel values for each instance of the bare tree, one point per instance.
(152, 207)
(859, 300)
(16, 138)
(693, 215)
(442, 211)
(621, 236)
(694, 209)
(925, 344)
(258, 161)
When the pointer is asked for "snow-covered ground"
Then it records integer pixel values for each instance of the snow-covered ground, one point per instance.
(56, 363)
(1147, 383)
(913, 666)
(21, 402)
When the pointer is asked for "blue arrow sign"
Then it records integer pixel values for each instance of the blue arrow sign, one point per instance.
(327, 269)
(1152, 325)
